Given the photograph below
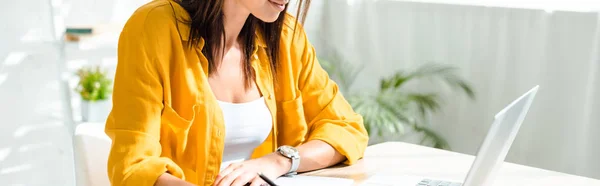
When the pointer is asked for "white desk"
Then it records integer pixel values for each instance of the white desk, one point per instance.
(408, 159)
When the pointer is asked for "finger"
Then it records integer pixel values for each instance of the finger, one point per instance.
(257, 181)
(228, 179)
(243, 179)
(227, 171)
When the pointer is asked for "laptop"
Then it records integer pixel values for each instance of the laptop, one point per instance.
(491, 153)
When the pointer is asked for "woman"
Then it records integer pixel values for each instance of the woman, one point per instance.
(212, 92)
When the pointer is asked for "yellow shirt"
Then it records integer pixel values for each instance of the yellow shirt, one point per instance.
(165, 117)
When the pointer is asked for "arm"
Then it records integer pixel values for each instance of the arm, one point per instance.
(167, 179)
(135, 120)
(315, 154)
(335, 132)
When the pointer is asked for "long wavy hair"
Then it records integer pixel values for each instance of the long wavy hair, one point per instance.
(207, 23)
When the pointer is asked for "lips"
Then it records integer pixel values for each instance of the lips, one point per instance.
(279, 4)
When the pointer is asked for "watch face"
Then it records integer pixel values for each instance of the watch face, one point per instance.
(288, 151)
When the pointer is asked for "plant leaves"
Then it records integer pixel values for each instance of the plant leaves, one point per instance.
(93, 84)
(395, 81)
(343, 74)
(391, 108)
(458, 83)
(436, 140)
(425, 102)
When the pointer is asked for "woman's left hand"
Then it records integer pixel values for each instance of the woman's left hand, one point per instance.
(239, 174)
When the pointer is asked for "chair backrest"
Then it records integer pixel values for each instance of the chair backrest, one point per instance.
(92, 147)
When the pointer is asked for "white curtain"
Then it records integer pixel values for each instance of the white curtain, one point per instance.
(503, 52)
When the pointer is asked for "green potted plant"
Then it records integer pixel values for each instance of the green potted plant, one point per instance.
(94, 87)
(392, 108)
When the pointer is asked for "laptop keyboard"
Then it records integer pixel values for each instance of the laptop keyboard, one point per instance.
(428, 182)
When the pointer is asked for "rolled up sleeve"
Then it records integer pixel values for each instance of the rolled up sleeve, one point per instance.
(329, 116)
(135, 120)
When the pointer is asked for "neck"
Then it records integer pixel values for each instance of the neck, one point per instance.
(235, 16)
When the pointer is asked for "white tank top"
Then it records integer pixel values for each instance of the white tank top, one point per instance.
(247, 125)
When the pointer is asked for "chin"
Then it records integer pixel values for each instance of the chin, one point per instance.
(269, 18)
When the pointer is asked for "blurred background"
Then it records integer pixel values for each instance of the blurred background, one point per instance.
(447, 65)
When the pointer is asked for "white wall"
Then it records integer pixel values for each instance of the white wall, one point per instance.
(35, 137)
(504, 52)
(34, 142)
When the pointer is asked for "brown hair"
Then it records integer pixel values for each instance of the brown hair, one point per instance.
(207, 23)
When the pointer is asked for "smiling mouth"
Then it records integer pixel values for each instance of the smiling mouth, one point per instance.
(279, 4)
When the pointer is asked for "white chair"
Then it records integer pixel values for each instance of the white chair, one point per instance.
(92, 147)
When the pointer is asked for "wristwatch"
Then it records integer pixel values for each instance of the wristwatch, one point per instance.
(291, 153)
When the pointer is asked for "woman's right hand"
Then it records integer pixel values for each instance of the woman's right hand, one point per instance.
(167, 179)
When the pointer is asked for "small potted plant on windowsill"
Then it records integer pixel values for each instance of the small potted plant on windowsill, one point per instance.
(94, 88)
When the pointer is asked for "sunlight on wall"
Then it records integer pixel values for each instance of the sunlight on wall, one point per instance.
(18, 168)
(36, 35)
(56, 3)
(51, 108)
(3, 78)
(23, 130)
(15, 58)
(32, 147)
(4, 153)
(352, 2)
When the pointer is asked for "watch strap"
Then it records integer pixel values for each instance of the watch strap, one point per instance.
(294, 157)
(295, 165)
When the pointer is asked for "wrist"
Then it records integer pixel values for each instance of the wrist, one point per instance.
(282, 163)
(167, 179)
